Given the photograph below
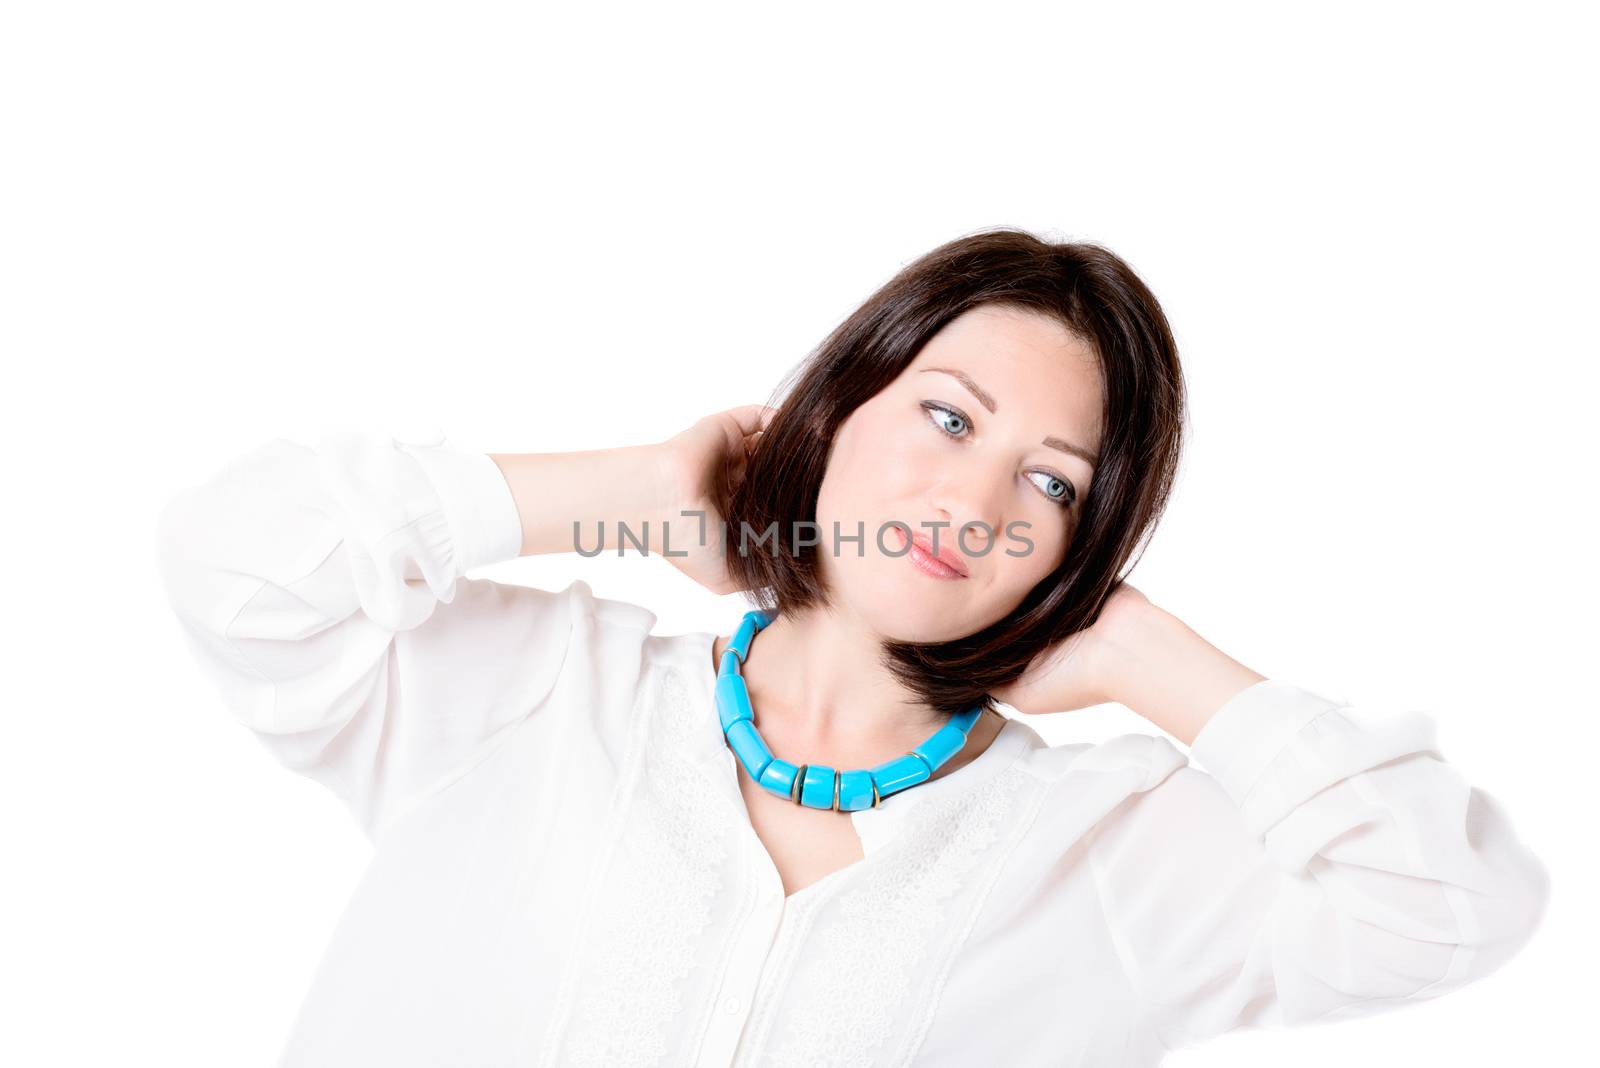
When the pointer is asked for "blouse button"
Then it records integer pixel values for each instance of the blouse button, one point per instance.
(730, 1006)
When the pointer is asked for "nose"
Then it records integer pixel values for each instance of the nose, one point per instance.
(968, 493)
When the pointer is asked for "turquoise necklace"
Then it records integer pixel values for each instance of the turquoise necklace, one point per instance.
(815, 785)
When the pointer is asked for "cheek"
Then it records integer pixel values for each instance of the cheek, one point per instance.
(1044, 549)
(874, 461)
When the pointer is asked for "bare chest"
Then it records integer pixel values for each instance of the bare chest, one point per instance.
(806, 844)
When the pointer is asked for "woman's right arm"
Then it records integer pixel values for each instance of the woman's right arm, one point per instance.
(593, 492)
(322, 588)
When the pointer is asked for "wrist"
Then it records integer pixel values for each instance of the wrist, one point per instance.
(676, 499)
(1133, 636)
(1158, 667)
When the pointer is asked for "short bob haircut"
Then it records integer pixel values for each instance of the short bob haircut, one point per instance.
(1096, 295)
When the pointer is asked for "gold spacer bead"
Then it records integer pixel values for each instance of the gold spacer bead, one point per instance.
(799, 784)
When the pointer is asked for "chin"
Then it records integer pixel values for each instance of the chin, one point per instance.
(909, 619)
(903, 605)
(931, 635)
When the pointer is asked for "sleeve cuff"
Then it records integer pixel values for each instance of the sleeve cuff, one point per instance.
(1244, 737)
(476, 500)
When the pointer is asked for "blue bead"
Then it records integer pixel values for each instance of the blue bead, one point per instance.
(749, 748)
(964, 721)
(944, 744)
(899, 773)
(730, 663)
(739, 644)
(855, 790)
(733, 700)
(778, 777)
(764, 617)
(817, 790)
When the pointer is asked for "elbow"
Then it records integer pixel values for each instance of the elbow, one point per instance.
(1517, 911)
(1503, 914)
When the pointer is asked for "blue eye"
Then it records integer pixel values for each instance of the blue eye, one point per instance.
(953, 423)
(1057, 489)
(950, 416)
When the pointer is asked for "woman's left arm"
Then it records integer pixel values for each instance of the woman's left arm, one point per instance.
(1327, 863)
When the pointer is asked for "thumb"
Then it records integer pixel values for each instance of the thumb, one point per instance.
(752, 417)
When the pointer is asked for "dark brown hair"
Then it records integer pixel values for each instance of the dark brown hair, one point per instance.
(1099, 299)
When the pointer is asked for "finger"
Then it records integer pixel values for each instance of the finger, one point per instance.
(752, 417)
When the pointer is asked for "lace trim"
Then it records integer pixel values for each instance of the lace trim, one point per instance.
(854, 979)
(649, 915)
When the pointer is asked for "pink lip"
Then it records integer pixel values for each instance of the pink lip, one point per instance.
(947, 565)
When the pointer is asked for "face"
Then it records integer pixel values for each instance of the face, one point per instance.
(995, 424)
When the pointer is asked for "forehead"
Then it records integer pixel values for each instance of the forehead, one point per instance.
(992, 333)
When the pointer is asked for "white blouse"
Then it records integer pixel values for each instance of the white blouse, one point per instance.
(565, 872)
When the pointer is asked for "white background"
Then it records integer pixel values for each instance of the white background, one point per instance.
(544, 229)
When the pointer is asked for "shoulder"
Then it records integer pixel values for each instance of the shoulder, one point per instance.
(525, 637)
(1137, 809)
(608, 634)
(550, 612)
(1130, 783)
(1136, 762)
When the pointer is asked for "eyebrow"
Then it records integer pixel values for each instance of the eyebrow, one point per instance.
(988, 402)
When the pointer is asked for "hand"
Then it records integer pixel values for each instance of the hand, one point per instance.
(702, 465)
(1072, 674)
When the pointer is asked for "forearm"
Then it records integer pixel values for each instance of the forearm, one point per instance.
(563, 497)
(1160, 668)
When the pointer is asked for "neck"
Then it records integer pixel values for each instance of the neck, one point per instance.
(819, 689)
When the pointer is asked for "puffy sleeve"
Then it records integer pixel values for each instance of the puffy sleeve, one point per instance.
(1331, 864)
(321, 588)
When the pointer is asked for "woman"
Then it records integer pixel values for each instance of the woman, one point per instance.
(595, 846)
